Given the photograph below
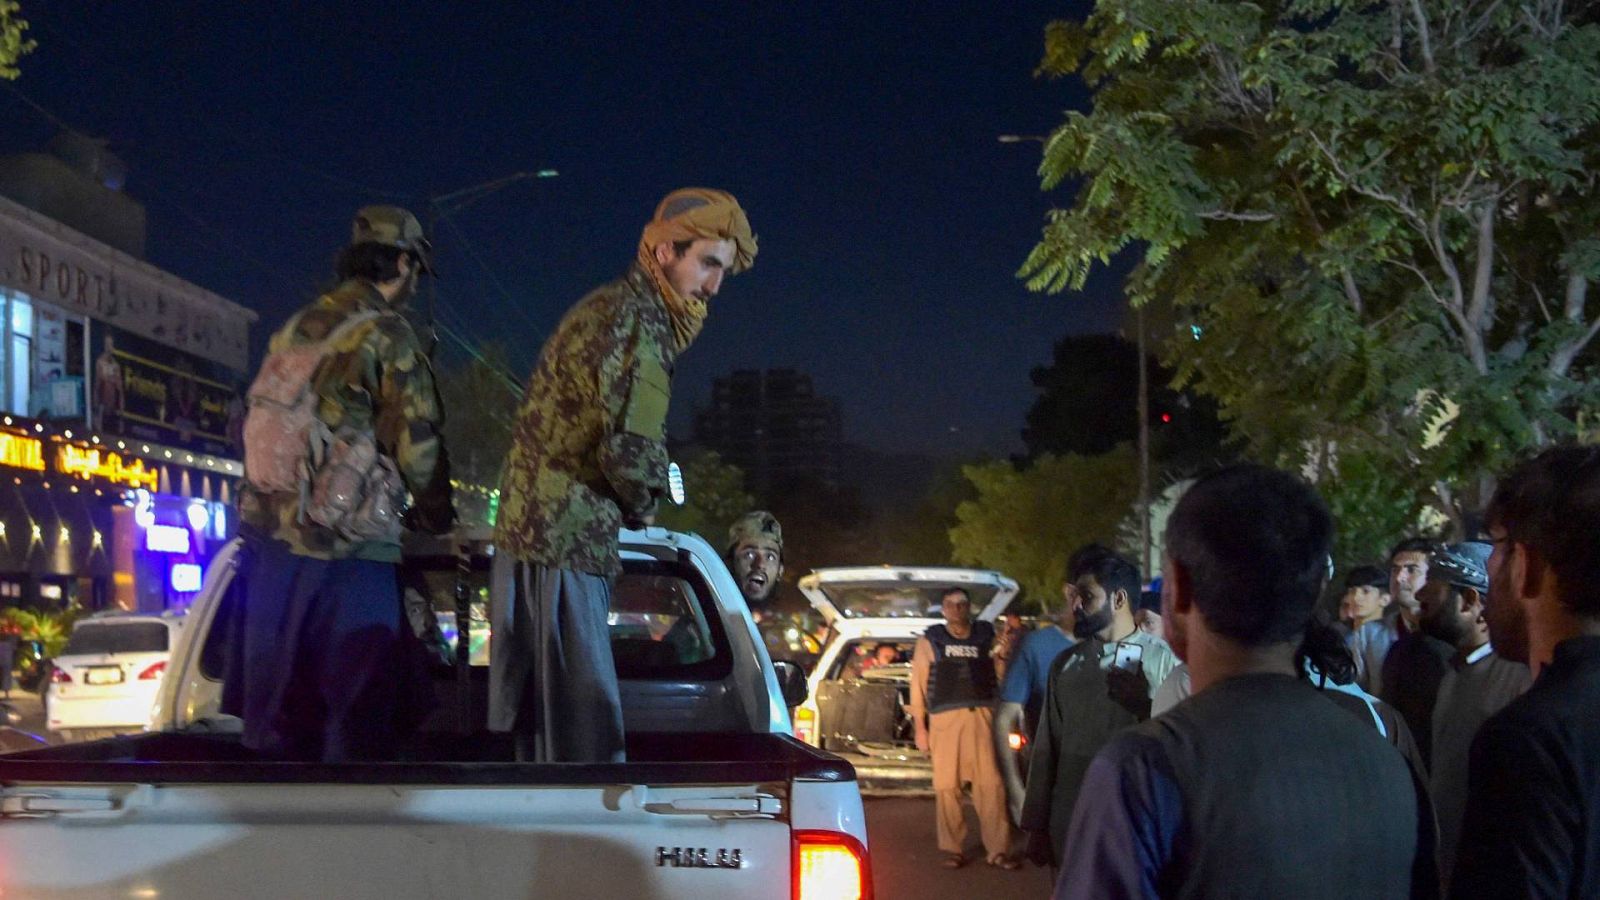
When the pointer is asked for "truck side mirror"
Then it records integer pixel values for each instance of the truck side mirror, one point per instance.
(791, 683)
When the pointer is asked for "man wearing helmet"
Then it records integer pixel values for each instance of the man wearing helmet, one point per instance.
(588, 456)
(321, 655)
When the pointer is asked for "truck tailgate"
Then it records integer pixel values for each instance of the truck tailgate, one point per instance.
(391, 841)
(174, 816)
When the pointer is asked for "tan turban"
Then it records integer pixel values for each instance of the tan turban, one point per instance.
(685, 215)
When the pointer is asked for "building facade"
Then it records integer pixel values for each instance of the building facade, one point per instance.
(774, 426)
(120, 404)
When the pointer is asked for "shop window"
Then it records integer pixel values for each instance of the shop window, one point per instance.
(18, 352)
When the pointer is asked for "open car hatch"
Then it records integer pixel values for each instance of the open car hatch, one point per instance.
(861, 592)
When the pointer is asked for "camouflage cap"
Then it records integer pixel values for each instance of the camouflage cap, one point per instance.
(760, 528)
(392, 226)
(1464, 565)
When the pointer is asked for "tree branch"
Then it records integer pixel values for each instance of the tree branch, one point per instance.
(1577, 294)
(1351, 291)
(1420, 19)
(1483, 276)
(1230, 216)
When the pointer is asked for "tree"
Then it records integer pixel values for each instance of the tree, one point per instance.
(480, 404)
(716, 496)
(13, 45)
(1367, 212)
(1027, 521)
(1089, 400)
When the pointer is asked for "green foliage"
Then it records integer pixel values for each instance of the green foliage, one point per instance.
(1369, 215)
(49, 628)
(13, 44)
(715, 498)
(1026, 522)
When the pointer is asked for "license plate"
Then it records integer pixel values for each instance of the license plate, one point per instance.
(106, 675)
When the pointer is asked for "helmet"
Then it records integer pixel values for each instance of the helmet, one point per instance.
(392, 226)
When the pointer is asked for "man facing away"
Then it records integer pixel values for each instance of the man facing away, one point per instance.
(1098, 687)
(588, 456)
(1257, 785)
(952, 699)
(1023, 690)
(1532, 822)
(1479, 684)
(320, 661)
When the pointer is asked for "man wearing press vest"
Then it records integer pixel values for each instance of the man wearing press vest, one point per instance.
(953, 689)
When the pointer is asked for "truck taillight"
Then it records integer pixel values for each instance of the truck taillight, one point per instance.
(153, 671)
(830, 866)
(60, 676)
(805, 723)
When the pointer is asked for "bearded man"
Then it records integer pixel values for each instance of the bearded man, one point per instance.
(588, 457)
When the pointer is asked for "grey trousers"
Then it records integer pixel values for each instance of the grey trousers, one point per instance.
(552, 681)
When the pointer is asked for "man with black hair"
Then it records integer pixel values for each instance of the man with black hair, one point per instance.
(952, 700)
(1232, 793)
(1416, 662)
(1361, 610)
(321, 652)
(1532, 822)
(1479, 684)
(1098, 687)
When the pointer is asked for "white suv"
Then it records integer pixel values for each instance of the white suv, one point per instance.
(107, 678)
(856, 705)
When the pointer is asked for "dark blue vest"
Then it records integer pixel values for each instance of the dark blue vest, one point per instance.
(962, 675)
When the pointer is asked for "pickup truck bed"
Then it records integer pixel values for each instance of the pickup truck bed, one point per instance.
(198, 816)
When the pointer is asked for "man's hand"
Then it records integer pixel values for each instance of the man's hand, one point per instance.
(639, 523)
(1130, 689)
(922, 737)
(1038, 851)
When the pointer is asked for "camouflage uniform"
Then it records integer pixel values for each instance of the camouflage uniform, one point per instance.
(587, 455)
(321, 661)
(378, 380)
(588, 450)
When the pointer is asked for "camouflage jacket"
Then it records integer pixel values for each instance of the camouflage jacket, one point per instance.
(378, 379)
(588, 450)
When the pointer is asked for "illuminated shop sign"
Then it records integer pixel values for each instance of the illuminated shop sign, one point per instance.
(93, 462)
(186, 578)
(20, 452)
(166, 539)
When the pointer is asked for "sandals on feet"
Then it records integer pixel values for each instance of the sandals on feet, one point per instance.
(953, 861)
(1002, 861)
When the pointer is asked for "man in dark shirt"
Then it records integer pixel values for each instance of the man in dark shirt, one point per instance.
(1480, 682)
(1417, 661)
(1233, 792)
(1532, 824)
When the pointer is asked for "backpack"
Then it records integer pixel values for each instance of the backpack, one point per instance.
(343, 481)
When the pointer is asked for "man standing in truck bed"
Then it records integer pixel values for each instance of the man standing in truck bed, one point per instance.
(588, 456)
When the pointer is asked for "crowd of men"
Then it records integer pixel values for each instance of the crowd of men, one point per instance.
(1439, 736)
(1435, 736)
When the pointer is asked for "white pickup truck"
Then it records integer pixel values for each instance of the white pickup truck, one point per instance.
(717, 799)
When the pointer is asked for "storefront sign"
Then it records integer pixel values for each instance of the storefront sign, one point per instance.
(180, 406)
(20, 452)
(89, 463)
(86, 277)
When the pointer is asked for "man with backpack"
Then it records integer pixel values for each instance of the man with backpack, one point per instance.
(343, 422)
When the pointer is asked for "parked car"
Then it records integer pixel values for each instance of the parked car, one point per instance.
(857, 704)
(107, 678)
(716, 798)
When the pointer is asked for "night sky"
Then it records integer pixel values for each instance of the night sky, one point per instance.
(860, 137)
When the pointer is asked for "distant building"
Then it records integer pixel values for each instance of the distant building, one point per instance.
(119, 407)
(774, 426)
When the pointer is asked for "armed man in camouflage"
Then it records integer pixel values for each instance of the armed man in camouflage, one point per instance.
(321, 657)
(588, 456)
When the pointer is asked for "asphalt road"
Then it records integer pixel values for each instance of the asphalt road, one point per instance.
(905, 858)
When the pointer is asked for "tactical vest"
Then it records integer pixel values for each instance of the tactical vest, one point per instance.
(1294, 796)
(962, 675)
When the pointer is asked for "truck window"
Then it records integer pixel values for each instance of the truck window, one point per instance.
(663, 620)
(132, 637)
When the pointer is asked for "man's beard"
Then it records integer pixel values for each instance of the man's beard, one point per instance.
(1089, 624)
(1446, 625)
